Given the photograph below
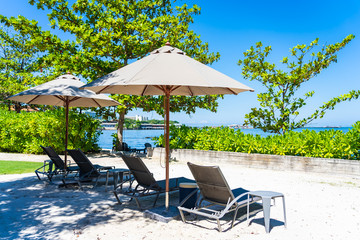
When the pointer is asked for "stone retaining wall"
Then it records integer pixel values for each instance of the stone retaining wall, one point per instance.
(264, 161)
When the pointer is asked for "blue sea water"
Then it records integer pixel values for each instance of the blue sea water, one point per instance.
(137, 138)
(134, 138)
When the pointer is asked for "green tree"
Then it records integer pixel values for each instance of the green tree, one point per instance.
(18, 64)
(279, 105)
(110, 34)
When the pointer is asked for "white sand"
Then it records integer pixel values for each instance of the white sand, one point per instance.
(318, 206)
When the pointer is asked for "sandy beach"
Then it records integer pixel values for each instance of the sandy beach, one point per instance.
(318, 206)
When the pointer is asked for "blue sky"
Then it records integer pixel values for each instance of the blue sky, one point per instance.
(232, 27)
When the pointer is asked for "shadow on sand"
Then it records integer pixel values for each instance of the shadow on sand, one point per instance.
(33, 209)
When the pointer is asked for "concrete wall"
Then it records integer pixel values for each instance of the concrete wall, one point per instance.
(264, 161)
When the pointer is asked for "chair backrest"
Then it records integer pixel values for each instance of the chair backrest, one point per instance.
(212, 184)
(86, 167)
(140, 172)
(55, 158)
(125, 146)
(147, 145)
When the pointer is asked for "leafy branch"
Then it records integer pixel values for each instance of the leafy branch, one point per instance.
(279, 105)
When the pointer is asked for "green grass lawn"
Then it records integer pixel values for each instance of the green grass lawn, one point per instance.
(16, 167)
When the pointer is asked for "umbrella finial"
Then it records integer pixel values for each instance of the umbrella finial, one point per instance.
(167, 44)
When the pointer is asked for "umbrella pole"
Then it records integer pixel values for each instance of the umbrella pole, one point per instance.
(167, 147)
(66, 129)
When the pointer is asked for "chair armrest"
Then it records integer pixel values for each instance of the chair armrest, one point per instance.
(46, 163)
(106, 167)
(120, 184)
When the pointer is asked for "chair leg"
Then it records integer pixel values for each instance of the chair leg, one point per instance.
(116, 179)
(131, 180)
(79, 183)
(37, 174)
(138, 203)
(266, 211)
(219, 226)
(285, 224)
(50, 176)
(117, 197)
(107, 180)
(182, 215)
(64, 183)
(157, 196)
(235, 214)
(97, 179)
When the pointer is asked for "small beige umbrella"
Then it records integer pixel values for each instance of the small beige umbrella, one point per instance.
(167, 71)
(63, 91)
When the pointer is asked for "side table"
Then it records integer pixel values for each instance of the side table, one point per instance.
(266, 197)
(116, 173)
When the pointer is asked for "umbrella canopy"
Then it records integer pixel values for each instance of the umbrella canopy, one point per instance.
(56, 93)
(63, 91)
(167, 71)
(167, 66)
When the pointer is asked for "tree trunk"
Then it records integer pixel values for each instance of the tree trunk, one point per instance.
(17, 107)
(120, 130)
(121, 121)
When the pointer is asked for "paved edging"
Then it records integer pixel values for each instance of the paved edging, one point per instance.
(23, 157)
(264, 161)
(42, 157)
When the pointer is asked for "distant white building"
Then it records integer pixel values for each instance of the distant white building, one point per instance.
(141, 118)
(137, 118)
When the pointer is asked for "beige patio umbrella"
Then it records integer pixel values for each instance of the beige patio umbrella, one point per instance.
(63, 91)
(167, 71)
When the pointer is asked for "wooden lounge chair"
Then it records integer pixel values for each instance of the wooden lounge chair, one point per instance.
(146, 183)
(136, 150)
(214, 190)
(126, 148)
(55, 166)
(88, 171)
(147, 145)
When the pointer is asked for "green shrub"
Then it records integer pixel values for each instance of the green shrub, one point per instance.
(323, 144)
(24, 132)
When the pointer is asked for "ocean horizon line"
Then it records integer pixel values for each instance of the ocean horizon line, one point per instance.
(136, 138)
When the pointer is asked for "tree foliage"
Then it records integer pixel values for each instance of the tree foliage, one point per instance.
(26, 131)
(279, 105)
(107, 35)
(307, 143)
(19, 68)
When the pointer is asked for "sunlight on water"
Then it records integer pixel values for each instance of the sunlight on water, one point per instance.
(134, 138)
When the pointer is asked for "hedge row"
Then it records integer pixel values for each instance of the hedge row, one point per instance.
(24, 132)
(308, 143)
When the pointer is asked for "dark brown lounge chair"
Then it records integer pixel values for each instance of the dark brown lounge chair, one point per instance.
(55, 166)
(88, 171)
(146, 183)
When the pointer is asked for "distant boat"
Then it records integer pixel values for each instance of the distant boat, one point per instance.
(237, 126)
(108, 125)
